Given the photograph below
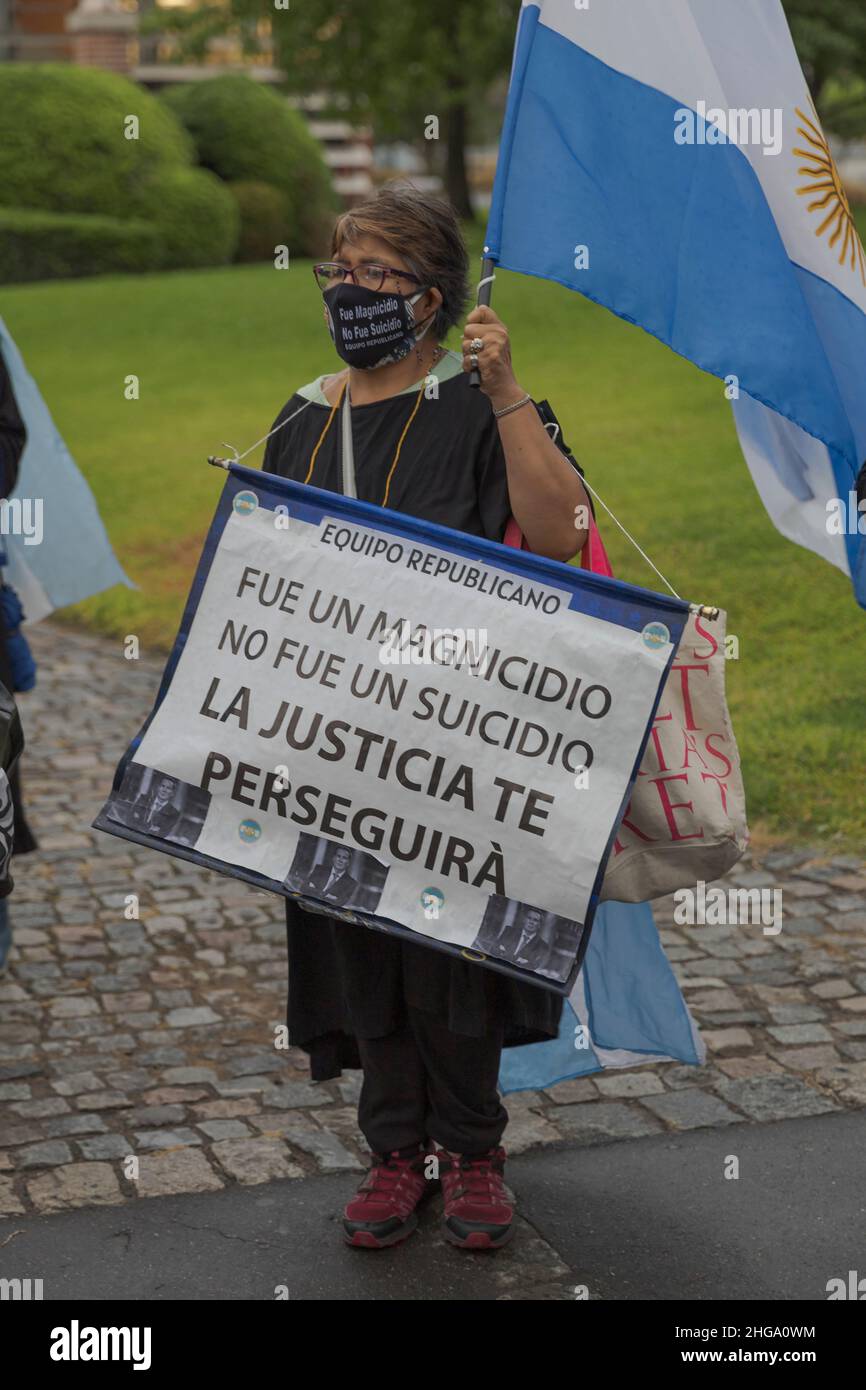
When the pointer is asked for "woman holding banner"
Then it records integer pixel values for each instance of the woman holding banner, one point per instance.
(426, 1027)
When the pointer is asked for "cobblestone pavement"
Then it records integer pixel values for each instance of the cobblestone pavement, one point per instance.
(154, 1038)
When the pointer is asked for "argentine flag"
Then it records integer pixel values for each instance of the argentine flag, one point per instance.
(626, 1009)
(664, 158)
(73, 557)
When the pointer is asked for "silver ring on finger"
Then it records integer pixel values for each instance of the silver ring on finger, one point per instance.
(476, 345)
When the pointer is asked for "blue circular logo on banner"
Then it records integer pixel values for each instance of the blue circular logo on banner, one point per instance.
(432, 901)
(655, 635)
(249, 831)
(244, 503)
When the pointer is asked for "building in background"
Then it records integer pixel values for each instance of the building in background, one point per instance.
(105, 34)
(34, 31)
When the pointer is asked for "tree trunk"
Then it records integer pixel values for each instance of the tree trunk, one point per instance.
(456, 179)
(148, 44)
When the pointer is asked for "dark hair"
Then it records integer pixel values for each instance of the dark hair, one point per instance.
(423, 229)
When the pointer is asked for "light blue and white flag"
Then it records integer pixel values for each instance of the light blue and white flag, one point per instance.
(70, 556)
(625, 1010)
(663, 157)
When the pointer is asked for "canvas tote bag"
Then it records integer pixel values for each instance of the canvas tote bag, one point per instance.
(686, 820)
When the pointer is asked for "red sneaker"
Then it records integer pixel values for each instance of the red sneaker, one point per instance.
(478, 1214)
(382, 1212)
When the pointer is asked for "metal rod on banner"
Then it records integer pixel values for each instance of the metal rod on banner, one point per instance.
(485, 284)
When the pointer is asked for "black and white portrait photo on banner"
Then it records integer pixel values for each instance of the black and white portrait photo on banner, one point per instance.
(529, 937)
(156, 803)
(336, 874)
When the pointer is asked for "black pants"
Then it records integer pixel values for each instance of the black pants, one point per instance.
(424, 1082)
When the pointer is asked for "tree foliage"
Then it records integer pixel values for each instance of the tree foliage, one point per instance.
(396, 62)
(830, 37)
(390, 62)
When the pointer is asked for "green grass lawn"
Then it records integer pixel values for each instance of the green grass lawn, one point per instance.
(218, 352)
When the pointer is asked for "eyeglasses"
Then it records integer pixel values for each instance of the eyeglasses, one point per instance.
(369, 276)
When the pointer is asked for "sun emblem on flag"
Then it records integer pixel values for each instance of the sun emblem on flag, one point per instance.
(830, 195)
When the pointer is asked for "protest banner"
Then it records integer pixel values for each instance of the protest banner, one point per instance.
(417, 730)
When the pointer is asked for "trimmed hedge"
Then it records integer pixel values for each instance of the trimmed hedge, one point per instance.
(246, 133)
(64, 153)
(62, 142)
(57, 245)
(196, 217)
(265, 220)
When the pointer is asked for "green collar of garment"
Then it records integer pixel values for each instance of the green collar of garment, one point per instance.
(449, 364)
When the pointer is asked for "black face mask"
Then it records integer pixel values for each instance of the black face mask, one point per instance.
(371, 329)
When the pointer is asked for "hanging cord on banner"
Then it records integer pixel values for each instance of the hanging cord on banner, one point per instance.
(702, 609)
(238, 458)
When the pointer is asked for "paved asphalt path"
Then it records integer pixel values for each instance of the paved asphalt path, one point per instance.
(644, 1219)
(656, 1219)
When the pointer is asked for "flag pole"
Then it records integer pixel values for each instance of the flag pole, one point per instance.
(485, 285)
